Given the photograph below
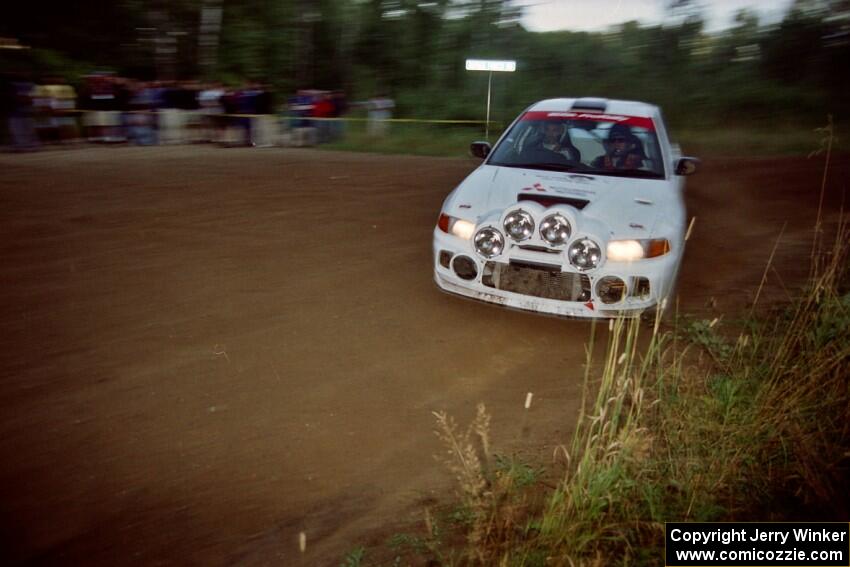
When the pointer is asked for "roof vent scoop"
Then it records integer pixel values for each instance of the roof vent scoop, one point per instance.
(598, 104)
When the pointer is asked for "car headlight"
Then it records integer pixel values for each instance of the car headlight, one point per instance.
(489, 242)
(458, 227)
(584, 254)
(519, 225)
(630, 250)
(555, 229)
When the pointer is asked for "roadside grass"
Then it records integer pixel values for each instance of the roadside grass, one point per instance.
(416, 139)
(702, 423)
(354, 558)
(454, 140)
(761, 140)
(698, 421)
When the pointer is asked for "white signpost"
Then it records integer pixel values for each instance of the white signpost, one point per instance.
(490, 65)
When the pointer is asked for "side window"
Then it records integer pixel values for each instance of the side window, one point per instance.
(651, 151)
(510, 147)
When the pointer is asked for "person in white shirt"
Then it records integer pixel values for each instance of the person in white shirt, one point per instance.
(380, 110)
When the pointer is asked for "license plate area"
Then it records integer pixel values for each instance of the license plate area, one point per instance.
(536, 279)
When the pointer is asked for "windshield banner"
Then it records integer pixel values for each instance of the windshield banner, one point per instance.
(639, 121)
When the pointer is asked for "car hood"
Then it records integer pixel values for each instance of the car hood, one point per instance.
(630, 208)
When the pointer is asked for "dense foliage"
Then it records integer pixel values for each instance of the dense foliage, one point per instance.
(414, 50)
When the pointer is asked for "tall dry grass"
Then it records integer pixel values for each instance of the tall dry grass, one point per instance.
(701, 421)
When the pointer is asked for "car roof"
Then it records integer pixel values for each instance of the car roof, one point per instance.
(608, 106)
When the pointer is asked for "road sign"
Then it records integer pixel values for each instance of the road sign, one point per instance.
(490, 65)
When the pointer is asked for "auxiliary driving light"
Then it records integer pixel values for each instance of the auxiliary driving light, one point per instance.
(555, 229)
(489, 242)
(519, 225)
(584, 254)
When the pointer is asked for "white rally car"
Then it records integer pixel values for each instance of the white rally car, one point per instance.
(577, 211)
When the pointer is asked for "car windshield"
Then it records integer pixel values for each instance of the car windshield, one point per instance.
(600, 144)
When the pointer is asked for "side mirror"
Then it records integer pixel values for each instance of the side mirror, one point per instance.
(480, 149)
(686, 166)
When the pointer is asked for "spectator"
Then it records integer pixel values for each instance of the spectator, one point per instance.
(301, 106)
(172, 114)
(191, 118)
(246, 103)
(123, 89)
(141, 117)
(63, 103)
(212, 108)
(42, 112)
(21, 125)
(323, 110)
(103, 123)
(340, 105)
(380, 111)
(7, 97)
(53, 106)
(264, 103)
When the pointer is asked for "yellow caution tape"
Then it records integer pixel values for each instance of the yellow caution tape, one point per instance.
(287, 117)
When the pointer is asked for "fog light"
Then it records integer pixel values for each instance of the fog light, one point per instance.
(465, 267)
(489, 242)
(610, 289)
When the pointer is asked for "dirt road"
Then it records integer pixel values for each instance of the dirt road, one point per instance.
(208, 351)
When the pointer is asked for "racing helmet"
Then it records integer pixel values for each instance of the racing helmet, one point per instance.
(621, 132)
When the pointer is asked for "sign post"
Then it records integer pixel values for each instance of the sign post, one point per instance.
(489, 65)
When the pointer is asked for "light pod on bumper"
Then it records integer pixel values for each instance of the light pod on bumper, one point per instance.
(584, 254)
(555, 229)
(465, 267)
(488, 242)
(610, 289)
(519, 225)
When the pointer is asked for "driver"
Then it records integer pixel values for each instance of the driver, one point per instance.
(556, 139)
(622, 150)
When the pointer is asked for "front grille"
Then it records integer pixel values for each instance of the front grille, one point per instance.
(548, 282)
(534, 248)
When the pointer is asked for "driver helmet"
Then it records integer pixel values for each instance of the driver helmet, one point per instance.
(620, 140)
(558, 124)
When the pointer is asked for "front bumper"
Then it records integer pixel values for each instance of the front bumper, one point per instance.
(577, 299)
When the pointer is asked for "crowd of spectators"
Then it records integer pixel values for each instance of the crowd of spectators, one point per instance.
(109, 108)
(321, 110)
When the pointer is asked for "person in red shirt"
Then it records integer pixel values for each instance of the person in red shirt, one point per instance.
(324, 108)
